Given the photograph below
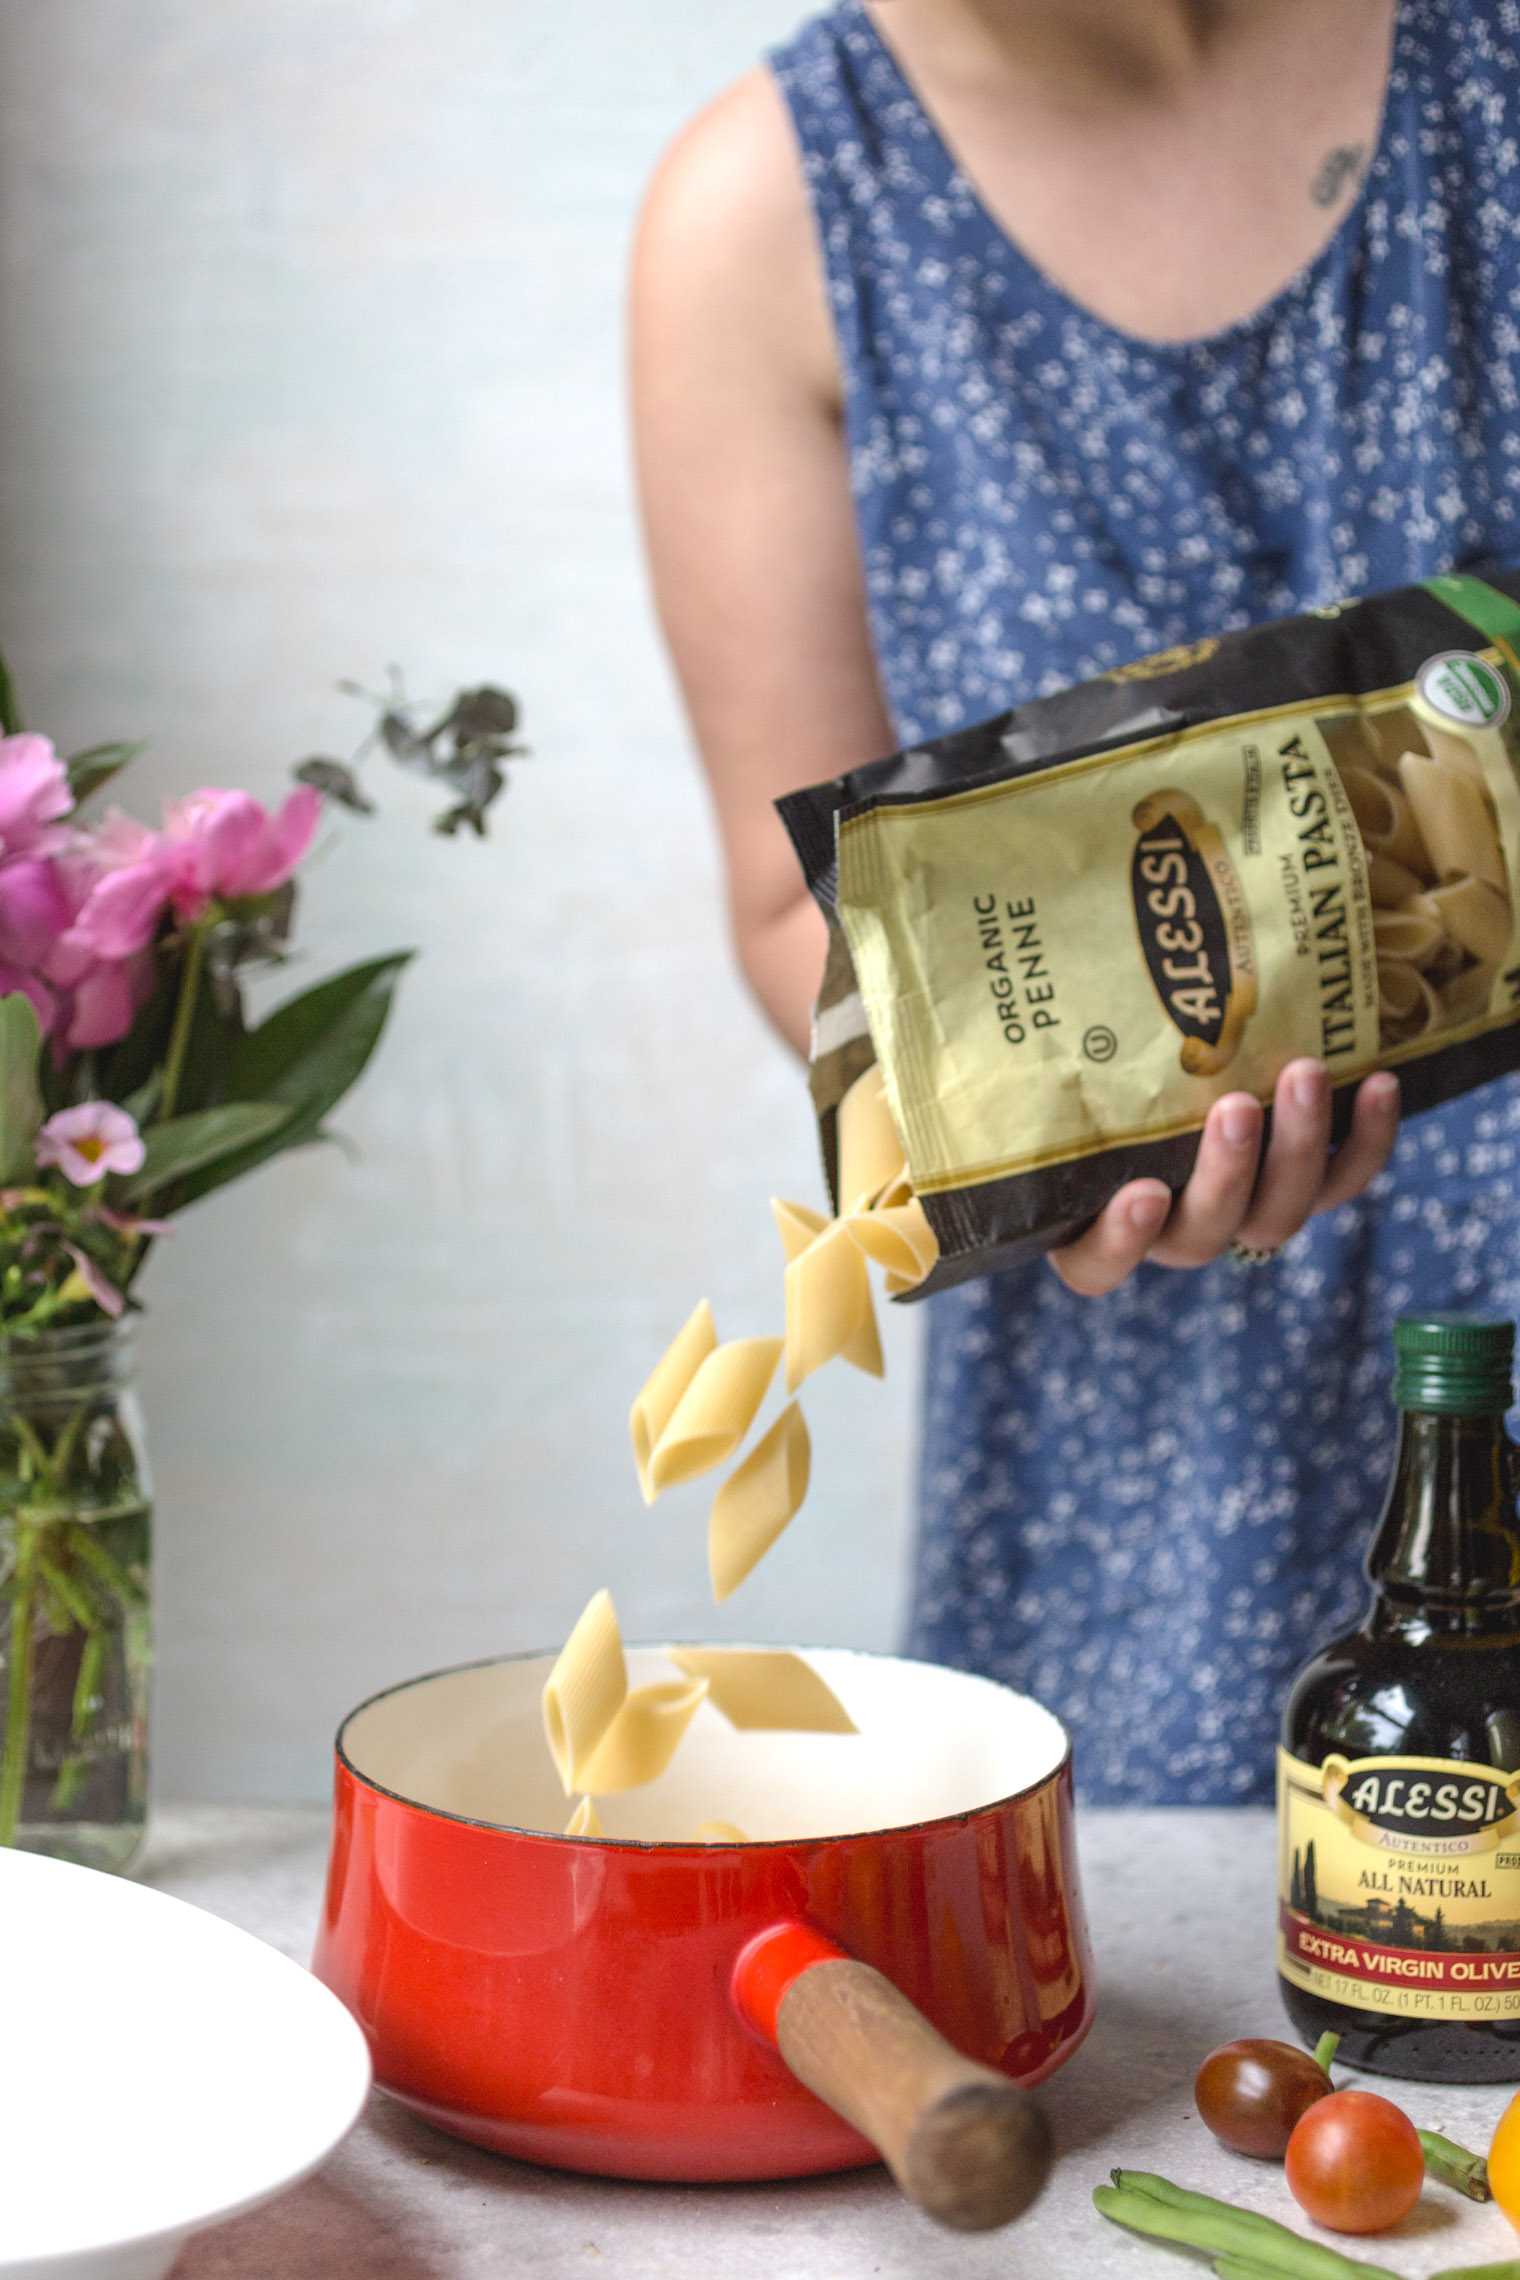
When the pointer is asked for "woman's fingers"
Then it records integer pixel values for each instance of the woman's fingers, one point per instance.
(1116, 1242)
(1292, 1176)
(1219, 1189)
(1368, 1145)
(1237, 1193)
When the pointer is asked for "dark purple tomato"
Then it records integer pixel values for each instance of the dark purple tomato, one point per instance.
(1252, 2094)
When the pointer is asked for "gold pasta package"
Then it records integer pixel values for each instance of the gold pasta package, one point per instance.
(1062, 934)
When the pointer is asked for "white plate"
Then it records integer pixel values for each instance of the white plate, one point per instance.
(159, 2070)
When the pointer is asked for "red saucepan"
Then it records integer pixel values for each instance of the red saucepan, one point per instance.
(899, 1935)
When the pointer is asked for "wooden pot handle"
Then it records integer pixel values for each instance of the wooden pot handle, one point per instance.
(967, 2145)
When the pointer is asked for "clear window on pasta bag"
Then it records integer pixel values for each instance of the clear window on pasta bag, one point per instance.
(1059, 936)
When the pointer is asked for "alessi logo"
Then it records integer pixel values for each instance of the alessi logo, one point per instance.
(1194, 929)
(1421, 1799)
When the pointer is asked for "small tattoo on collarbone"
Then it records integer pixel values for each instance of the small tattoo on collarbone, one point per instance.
(1340, 168)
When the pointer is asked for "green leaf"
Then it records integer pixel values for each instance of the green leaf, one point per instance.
(306, 1054)
(20, 1100)
(10, 711)
(88, 771)
(193, 1143)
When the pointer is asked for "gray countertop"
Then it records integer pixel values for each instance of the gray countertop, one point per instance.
(1181, 1906)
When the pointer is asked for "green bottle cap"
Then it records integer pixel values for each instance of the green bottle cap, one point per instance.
(1459, 1363)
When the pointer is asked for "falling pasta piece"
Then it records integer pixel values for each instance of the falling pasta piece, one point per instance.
(899, 1239)
(642, 1739)
(583, 1821)
(585, 1691)
(870, 1154)
(863, 1349)
(1454, 819)
(895, 1195)
(662, 1391)
(715, 1412)
(766, 1690)
(757, 1501)
(796, 1225)
(1474, 914)
(828, 1293)
(718, 1833)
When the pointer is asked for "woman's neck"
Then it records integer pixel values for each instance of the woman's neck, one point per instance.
(1083, 50)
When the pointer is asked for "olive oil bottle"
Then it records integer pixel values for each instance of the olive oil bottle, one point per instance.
(1399, 1772)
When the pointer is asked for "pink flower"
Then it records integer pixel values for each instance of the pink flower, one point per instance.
(214, 846)
(235, 847)
(88, 1141)
(34, 910)
(34, 794)
(100, 1287)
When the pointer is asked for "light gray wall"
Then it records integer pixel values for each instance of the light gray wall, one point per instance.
(310, 359)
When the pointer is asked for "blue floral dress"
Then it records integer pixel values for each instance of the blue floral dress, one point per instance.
(1148, 1509)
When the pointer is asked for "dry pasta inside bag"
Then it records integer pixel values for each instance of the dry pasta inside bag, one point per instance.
(1056, 938)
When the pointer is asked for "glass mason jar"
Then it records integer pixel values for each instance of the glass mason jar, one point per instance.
(74, 1631)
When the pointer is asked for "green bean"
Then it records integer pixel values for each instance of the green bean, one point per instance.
(1153, 2205)
(1455, 2166)
(1509, 2270)
(1325, 2050)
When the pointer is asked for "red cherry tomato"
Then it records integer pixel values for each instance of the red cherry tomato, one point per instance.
(1355, 2163)
(1251, 2094)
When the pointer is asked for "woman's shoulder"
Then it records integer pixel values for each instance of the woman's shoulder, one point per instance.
(726, 230)
(732, 173)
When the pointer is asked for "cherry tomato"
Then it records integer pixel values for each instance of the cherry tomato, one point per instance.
(1355, 2163)
(1252, 2093)
(1504, 2162)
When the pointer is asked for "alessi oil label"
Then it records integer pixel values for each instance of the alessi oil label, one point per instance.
(1399, 1884)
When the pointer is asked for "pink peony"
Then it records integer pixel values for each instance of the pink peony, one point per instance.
(235, 846)
(88, 1141)
(34, 795)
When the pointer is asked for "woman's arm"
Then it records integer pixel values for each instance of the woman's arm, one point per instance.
(747, 512)
(752, 547)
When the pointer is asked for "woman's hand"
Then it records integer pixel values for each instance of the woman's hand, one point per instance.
(1237, 1194)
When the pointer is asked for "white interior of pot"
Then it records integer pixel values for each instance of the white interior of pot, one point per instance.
(932, 1742)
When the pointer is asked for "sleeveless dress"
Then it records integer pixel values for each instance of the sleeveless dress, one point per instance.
(1147, 1509)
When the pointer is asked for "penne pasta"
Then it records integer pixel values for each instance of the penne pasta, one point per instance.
(1450, 749)
(899, 1239)
(1467, 994)
(1390, 884)
(828, 1298)
(1372, 804)
(585, 1690)
(643, 1737)
(1407, 1005)
(663, 1388)
(796, 1225)
(1474, 914)
(715, 1412)
(1454, 820)
(757, 1501)
(1413, 934)
(766, 1690)
(871, 1156)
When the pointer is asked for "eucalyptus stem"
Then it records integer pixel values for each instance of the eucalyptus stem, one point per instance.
(18, 1704)
(184, 1015)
